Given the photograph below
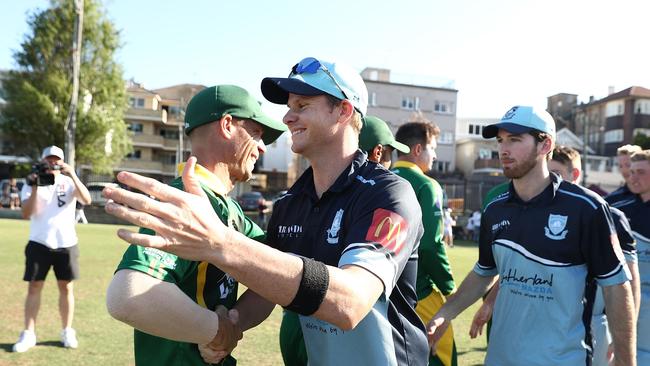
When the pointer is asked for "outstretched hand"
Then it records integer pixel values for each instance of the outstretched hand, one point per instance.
(435, 330)
(226, 338)
(184, 222)
(482, 316)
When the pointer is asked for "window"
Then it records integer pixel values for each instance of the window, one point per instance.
(373, 99)
(135, 155)
(614, 108)
(169, 134)
(136, 102)
(443, 107)
(411, 103)
(442, 166)
(446, 138)
(135, 127)
(613, 136)
(484, 154)
(475, 129)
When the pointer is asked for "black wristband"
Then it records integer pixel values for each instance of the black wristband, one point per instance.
(313, 287)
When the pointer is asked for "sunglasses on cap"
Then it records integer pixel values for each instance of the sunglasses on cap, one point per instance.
(311, 65)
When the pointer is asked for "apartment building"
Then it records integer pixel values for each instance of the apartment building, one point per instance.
(396, 101)
(155, 119)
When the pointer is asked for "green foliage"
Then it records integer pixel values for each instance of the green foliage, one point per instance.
(38, 92)
(642, 140)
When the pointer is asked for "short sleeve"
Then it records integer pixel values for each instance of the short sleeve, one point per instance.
(384, 232)
(602, 250)
(486, 265)
(25, 192)
(155, 263)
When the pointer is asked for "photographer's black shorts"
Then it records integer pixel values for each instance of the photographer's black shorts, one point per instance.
(39, 259)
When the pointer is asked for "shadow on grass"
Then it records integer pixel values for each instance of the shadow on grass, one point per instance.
(474, 349)
(8, 347)
(464, 244)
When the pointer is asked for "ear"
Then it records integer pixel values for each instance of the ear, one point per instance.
(346, 112)
(226, 126)
(416, 150)
(546, 146)
(376, 153)
(575, 174)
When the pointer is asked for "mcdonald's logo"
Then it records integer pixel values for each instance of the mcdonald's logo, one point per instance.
(387, 229)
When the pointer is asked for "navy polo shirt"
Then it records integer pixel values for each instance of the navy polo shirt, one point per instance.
(638, 213)
(368, 218)
(547, 252)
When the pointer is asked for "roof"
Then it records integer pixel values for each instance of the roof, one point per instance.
(180, 91)
(633, 91)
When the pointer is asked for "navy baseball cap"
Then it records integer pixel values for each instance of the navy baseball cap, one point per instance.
(313, 77)
(522, 119)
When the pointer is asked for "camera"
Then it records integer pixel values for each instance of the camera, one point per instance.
(43, 177)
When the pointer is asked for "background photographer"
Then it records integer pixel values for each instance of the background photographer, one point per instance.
(48, 200)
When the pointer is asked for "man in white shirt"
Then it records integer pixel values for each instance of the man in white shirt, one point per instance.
(48, 200)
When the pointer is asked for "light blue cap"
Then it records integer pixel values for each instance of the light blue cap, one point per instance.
(335, 79)
(522, 119)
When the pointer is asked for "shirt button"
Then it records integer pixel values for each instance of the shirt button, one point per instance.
(316, 209)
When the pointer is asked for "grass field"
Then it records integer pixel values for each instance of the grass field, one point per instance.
(104, 341)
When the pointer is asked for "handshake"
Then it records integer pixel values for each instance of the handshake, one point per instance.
(226, 338)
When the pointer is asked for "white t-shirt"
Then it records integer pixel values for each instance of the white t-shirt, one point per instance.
(53, 217)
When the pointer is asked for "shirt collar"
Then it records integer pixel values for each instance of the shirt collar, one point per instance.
(545, 196)
(207, 178)
(305, 184)
(408, 165)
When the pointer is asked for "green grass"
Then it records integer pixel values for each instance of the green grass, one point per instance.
(104, 341)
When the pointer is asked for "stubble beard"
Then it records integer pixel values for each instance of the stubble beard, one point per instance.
(524, 167)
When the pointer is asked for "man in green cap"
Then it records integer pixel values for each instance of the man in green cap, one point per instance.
(174, 303)
(377, 140)
(434, 279)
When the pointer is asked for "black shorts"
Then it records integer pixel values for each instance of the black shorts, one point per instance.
(39, 259)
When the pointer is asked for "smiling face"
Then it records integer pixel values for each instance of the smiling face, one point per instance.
(311, 122)
(639, 180)
(518, 153)
(248, 139)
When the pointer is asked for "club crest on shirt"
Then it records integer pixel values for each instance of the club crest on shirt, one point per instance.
(333, 231)
(556, 227)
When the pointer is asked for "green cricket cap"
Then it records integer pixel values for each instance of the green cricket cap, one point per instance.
(375, 131)
(212, 103)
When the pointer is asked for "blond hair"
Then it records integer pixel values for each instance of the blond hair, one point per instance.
(628, 149)
(642, 155)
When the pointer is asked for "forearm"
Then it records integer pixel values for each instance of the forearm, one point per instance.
(635, 284)
(622, 322)
(276, 276)
(28, 206)
(81, 193)
(471, 289)
(253, 309)
(159, 308)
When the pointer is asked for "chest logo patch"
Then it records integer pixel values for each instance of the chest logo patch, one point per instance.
(556, 227)
(388, 229)
(333, 231)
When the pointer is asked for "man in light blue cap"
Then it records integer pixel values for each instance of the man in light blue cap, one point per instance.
(549, 242)
(341, 244)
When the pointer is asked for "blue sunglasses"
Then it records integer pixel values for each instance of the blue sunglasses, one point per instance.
(311, 65)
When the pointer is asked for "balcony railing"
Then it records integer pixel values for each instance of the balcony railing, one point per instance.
(487, 163)
(146, 114)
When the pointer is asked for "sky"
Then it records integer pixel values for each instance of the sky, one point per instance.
(496, 53)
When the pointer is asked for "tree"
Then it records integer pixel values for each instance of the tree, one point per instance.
(38, 92)
(642, 140)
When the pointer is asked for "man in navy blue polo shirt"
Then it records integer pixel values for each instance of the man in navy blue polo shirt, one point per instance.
(342, 243)
(636, 207)
(623, 155)
(548, 240)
